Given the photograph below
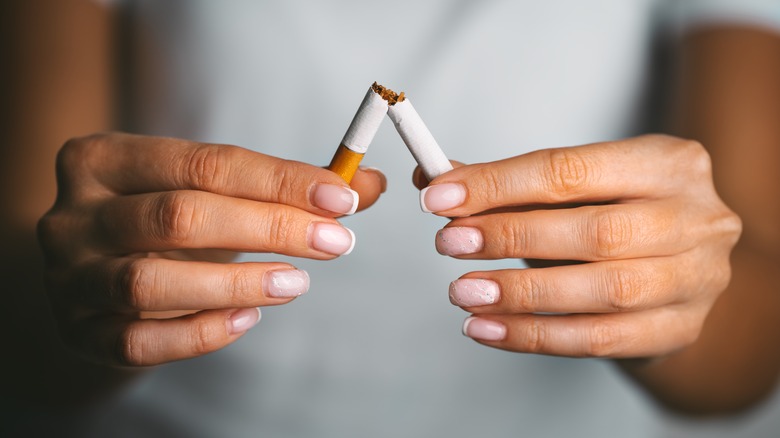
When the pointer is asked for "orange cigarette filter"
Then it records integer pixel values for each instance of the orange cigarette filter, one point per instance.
(345, 163)
(362, 130)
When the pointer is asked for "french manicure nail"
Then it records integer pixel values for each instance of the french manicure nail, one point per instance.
(441, 197)
(286, 283)
(332, 239)
(454, 241)
(243, 320)
(473, 292)
(483, 329)
(335, 198)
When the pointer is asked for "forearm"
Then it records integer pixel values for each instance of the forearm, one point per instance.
(735, 361)
(57, 86)
(727, 78)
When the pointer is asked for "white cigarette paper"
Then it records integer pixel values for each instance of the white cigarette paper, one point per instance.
(366, 123)
(419, 139)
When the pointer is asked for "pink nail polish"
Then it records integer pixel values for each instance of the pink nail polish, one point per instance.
(331, 238)
(484, 329)
(286, 283)
(243, 320)
(335, 198)
(454, 241)
(473, 292)
(441, 197)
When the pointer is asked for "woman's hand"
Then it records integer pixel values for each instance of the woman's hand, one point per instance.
(641, 213)
(140, 223)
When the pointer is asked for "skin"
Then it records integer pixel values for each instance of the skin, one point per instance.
(123, 291)
(643, 212)
(641, 230)
(131, 209)
(662, 287)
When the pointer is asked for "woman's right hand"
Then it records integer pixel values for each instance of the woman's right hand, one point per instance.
(139, 225)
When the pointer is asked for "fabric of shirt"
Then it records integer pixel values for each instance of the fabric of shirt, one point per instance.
(374, 348)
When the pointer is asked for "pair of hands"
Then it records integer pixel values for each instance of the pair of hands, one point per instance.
(145, 227)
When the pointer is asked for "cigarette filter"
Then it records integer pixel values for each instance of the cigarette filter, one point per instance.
(360, 133)
(418, 139)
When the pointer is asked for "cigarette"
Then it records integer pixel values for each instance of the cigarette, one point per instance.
(360, 133)
(418, 138)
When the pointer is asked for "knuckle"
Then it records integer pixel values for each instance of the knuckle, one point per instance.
(529, 292)
(178, 216)
(721, 275)
(204, 337)
(515, 239)
(243, 287)
(493, 186)
(129, 349)
(283, 178)
(137, 285)
(604, 339)
(47, 229)
(206, 166)
(568, 171)
(75, 155)
(535, 336)
(697, 157)
(51, 236)
(729, 225)
(624, 290)
(690, 336)
(279, 227)
(613, 233)
(75, 150)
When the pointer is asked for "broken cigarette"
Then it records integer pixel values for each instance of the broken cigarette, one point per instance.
(379, 101)
(360, 133)
(418, 138)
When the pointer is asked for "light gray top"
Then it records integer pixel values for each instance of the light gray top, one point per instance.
(374, 349)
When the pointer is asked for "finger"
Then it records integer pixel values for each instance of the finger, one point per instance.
(191, 219)
(132, 164)
(124, 341)
(589, 233)
(156, 284)
(645, 167)
(419, 179)
(620, 335)
(370, 183)
(602, 287)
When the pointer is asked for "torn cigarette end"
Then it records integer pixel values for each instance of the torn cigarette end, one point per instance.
(360, 133)
(387, 94)
(419, 140)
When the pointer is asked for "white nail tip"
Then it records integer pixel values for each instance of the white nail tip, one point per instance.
(466, 325)
(352, 245)
(422, 200)
(355, 202)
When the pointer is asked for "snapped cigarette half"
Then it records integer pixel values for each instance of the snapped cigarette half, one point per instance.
(418, 139)
(360, 133)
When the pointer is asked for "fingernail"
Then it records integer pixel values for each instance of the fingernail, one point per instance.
(381, 175)
(454, 241)
(243, 320)
(473, 292)
(286, 283)
(332, 239)
(335, 198)
(483, 329)
(441, 197)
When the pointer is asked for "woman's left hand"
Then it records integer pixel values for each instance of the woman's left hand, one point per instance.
(642, 214)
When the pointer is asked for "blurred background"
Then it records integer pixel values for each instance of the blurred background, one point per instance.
(374, 349)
